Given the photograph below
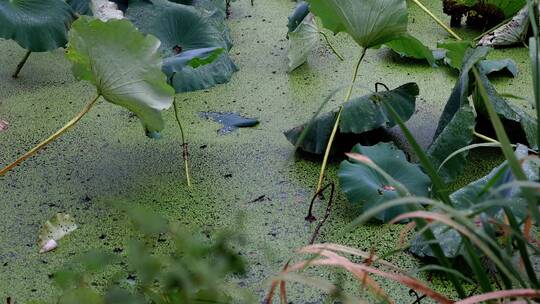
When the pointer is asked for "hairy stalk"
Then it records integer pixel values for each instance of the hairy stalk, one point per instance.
(338, 55)
(336, 124)
(444, 26)
(21, 64)
(51, 138)
(185, 148)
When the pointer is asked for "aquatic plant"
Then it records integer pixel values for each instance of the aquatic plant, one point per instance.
(193, 270)
(37, 26)
(492, 215)
(125, 67)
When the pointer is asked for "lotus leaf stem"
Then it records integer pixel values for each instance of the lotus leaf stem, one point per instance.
(336, 124)
(338, 55)
(185, 148)
(51, 138)
(444, 26)
(21, 64)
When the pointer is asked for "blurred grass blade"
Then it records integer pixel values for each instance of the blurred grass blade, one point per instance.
(506, 145)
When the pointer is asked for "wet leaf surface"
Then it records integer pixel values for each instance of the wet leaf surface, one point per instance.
(359, 115)
(365, 186)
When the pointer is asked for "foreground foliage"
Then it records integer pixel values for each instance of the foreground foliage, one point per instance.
(193, 270)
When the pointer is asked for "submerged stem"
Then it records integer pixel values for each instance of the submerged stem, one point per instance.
(51, 138)
(21, 64)
(444, 26)
(185, 148)
(336, 124)
(339, 56)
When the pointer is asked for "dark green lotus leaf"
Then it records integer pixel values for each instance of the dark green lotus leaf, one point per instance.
(475, 193)
(462, 90)
(124, 65)
(455, 52)
(193, 79)
(81, 7)
(410, 47)
(370, 23)
(317, 135)
(36, 25)
(365, 186)
(494, 66)
(184, 28)
(508, 111)
(216, 12)
(359, 115)
(297, 16)
(458, 133)
(368, 113)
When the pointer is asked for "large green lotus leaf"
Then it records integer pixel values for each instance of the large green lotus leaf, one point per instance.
(193, 79)
(216, 12)
(475, 193)
(36, 25)
(301, 42)
(409, 46)
(369, 22)
(184, 28)
(365, 186)
(125, 67)
(508, 111)
(359, 115)
(82, 7)
(458, 133)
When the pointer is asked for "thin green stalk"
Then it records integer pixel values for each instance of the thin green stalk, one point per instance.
(21, 64)
(338, 55)
(51, 138)
(486, 138)
(336, 124)
(442, 24)
(185, 149)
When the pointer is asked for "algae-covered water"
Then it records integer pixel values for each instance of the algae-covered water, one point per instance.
(106, 163)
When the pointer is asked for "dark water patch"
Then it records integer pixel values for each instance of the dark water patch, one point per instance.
(230, 121)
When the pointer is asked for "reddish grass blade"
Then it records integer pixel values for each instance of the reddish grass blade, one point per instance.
(502, 294)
